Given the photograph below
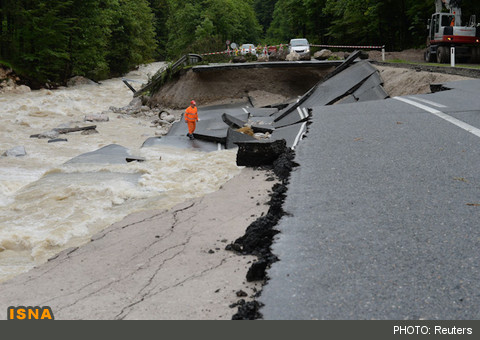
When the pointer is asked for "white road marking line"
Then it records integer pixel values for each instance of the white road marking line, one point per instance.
(305, 112)
(244, 109)
(300, 113)
(467, 127)
(428, 102)
(300, 135)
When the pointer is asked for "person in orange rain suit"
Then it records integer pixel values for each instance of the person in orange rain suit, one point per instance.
(191, 118)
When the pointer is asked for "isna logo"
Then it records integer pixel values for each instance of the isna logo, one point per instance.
(30, 313)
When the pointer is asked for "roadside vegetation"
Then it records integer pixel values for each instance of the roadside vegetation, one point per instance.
(401, 61)
(49, 41)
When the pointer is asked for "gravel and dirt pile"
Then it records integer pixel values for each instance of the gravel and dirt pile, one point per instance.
(405, 81)
(412, 55)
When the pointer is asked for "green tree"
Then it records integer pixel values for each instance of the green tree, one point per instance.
(90, 37)
(161, 11)
(264, 11)
(199, 26)
(51, 40)
(132, 39)
(289, 21)
(41, 38)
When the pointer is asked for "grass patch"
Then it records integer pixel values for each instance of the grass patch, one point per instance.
(401, 61)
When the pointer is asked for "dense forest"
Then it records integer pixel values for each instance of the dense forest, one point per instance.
(53, 40)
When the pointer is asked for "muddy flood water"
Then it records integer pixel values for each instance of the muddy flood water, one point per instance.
(47, 206)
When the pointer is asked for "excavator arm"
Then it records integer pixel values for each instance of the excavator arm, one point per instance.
(453, 6)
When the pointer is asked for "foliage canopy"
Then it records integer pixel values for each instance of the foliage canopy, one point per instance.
(53, 40)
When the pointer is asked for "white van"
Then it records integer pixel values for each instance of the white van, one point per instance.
(300, 46)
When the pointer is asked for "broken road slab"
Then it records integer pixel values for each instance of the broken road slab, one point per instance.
(292, 134)
(341, 85)
(182, 142)
(110, 154)
(261, 112)
(234, 137)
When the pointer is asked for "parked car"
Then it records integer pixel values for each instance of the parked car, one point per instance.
(248, 49)
(272, 49)
(300, 46)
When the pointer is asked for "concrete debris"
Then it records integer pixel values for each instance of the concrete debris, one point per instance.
(293, 56)
(278, 55)
(97, 118)
(161, 131)
(323, 54)
(262, 58)
(52, 134)
(182, 142)
(18, 151)
(90, 132)
(57, 140)
(110, 154)
(79, 80)
(261, 136)
(166, 116)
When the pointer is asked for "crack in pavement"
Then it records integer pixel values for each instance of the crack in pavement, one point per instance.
(47, 302)
(150, 218)
(149, 282)
(88, 295)
(149, 295)
(177, 212)
(142, 296)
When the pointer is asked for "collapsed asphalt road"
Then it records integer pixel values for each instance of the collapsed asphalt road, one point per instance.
(382, 213)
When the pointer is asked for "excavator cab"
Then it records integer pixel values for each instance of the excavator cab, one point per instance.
(437, 23)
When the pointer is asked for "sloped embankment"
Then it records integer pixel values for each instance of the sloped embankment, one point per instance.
(218, 85)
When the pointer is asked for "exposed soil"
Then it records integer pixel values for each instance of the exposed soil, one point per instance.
(412, 55)
(406, 81)
(212, 86)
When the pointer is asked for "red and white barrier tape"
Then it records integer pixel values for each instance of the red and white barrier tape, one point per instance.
(266, 48)
(215, 53)
(359, 47)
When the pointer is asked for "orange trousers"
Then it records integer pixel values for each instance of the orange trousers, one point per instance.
(191, 127)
